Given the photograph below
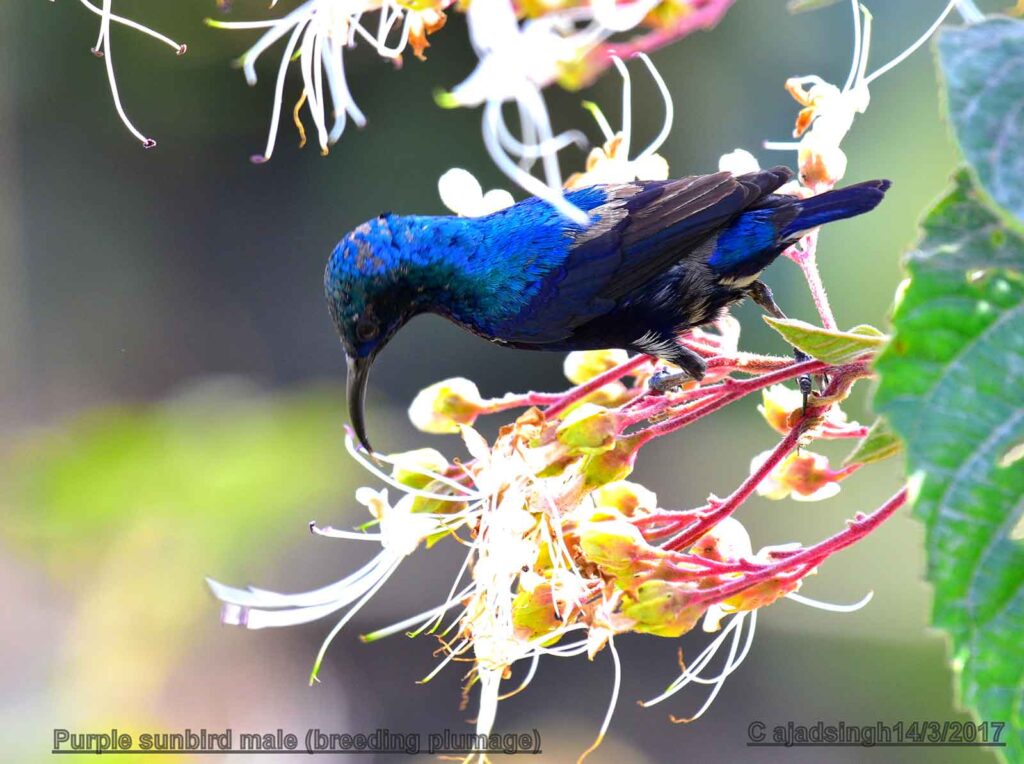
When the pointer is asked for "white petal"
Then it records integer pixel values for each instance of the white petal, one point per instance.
(460, 191)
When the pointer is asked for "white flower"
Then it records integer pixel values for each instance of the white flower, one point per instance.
(803, 476)
(738, 162)
(610, 163)
(462, 193)
(401, 531)
(318, 32)
(516, 63)
(829, 111)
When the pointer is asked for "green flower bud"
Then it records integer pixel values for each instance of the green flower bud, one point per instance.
(533, 613)
(764, 593)
(615, 546)
(443, 406)
(615, 464)
(626, 497)
(663, 608)
(590, 429)
(583, 365)
(408, 466)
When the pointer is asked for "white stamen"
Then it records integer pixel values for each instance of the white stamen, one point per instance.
(830, 606)
(282, 70)
(913, 47)
(616, 684)
(534, 662)
(357, 454)
(666, 97)
(858, 50)
(627, 103)
(348, 617)
(426, 616)
(179, 48)
(103, 46)
(691, 673)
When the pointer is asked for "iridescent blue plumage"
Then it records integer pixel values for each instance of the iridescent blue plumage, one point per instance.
(656, 258)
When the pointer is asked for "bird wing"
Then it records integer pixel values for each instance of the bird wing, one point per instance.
(638, 233)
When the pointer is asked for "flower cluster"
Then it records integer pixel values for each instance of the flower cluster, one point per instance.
(563, 552)
(522, 47)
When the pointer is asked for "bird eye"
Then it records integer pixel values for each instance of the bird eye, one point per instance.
(366, 329)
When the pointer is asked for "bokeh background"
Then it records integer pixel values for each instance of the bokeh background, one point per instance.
(171, 391)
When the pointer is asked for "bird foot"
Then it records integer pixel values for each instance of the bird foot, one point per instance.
(663, 380)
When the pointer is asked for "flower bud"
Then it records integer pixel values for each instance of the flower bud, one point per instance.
(626, 497)
(663, 608)
(443, 406)
(583, 365)
(589, 429)
(727, 541)
(615, 546)
(614, 464)
(822, 163)
(779, 405)
(408, 467)
(738, 162)
(804, 475)
(764, 593)
(533, 612)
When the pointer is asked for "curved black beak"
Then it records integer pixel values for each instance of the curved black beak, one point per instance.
(358, 372)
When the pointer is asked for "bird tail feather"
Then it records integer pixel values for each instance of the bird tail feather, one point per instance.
(841, 203)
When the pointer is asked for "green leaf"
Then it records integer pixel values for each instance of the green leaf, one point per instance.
(880, 443)
(828, 345)
(952, 386)
(981, 65)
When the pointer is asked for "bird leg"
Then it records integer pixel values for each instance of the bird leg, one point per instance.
(692, 364)
(761, 294)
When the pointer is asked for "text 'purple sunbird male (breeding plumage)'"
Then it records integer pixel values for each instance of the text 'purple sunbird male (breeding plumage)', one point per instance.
(655, 259)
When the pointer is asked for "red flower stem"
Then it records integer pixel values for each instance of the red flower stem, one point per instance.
(730, 392)
(808, 262)
(721, 510)
(525, 400)
(829, 433)
(582, 391)
(699, 16)
(685, 563)
(810, 557)
(645, 406)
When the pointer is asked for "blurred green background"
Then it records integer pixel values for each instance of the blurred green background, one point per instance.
(171, 390)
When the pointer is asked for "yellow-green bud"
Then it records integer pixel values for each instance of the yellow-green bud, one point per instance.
(615, 464)
(727, 541)
(533, 613)
(615, 546)
(625, 496)
(663, 608)
(583, 365)
(443, 406)
(408, 466)
(590, 429)
(764, 593)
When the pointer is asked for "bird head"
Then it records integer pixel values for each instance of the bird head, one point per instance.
(370, 298)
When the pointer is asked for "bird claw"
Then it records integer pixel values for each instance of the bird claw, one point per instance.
(805, 389)
(804, 380)
(663, 380)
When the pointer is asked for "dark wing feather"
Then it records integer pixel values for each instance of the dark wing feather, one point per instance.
(642, 230)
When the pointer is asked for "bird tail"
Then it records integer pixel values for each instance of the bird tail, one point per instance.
(841, 203)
